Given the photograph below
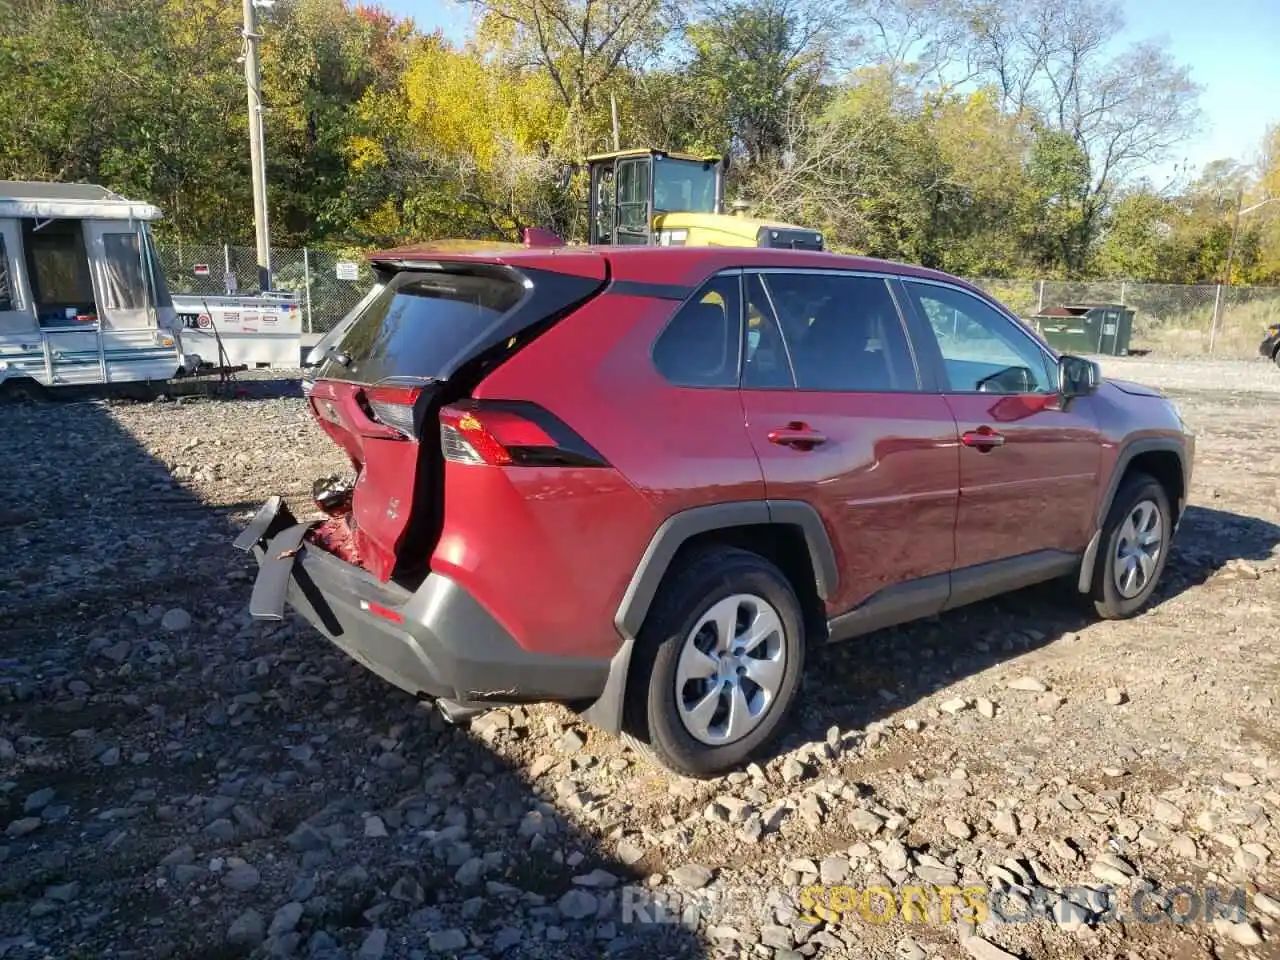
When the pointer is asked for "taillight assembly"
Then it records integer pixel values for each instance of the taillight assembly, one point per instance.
(393, 405)
(503, 433)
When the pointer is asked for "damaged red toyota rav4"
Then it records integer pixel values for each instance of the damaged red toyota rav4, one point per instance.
(644, 482)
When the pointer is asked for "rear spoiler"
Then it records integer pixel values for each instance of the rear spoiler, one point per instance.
(536, 237)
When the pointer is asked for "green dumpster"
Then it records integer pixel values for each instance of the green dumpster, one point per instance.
(1104, 328)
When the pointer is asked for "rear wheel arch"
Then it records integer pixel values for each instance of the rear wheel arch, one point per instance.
(788, 533)
(752, 525)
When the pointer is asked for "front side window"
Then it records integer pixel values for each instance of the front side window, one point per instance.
(683, 185)
(840, 333)
(699, 346)
(983, 351)
(122, 271)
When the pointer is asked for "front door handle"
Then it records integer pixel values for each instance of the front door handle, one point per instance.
(797, 435)
(984, 439)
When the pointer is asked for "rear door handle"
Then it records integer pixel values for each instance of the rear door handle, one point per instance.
(984, 439)
(797, 435)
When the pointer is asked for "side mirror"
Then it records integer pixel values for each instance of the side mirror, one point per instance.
(1077, 376)
(565, 176)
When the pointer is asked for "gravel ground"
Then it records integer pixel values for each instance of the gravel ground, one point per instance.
(177, 780)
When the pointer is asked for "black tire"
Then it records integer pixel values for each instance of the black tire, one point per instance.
(703, 578)
(1108, 599)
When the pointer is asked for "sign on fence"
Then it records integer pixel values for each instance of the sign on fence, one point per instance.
(346, 270)
(200, 269)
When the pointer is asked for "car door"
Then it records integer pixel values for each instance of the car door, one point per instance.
(836, 414)
(1029, 460)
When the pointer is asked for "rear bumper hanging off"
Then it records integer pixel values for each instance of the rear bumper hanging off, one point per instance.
(436, 640)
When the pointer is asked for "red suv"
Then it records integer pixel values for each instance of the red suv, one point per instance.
(644, 481)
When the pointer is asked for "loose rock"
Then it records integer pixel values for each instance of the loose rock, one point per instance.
(1028, 685)
(242, 878)
(1005, 822)
(248, 929)
(981, 949)
(1113, 869)
(175, 620)
(375, 945)
(285, 920)
(692, 875)
(577, 905)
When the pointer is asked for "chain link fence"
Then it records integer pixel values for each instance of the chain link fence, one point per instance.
(326, 292)
(1169, 319)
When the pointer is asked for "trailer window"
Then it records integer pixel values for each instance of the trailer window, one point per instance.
(58, 268)
(122, 269)
(7, 298)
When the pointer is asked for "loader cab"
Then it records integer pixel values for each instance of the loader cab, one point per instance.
(649, 197)
(630, 188)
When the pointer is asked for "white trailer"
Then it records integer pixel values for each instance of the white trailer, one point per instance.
(262, 330)
(82, 298)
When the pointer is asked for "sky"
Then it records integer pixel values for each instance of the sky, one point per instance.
(1231, 46)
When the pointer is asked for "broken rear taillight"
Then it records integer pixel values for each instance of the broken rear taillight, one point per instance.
(393, 405)
(511, 433)
(332, 495)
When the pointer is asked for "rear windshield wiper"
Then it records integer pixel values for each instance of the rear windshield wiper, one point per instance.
(337, 356)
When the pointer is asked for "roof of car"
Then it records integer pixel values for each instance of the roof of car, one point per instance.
(635, 262)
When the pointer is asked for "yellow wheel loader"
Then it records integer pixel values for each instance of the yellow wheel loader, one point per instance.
(648, 197)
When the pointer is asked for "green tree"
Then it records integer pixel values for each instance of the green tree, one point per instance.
(757, 64)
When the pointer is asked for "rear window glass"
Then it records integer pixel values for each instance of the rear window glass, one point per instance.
(418, 326)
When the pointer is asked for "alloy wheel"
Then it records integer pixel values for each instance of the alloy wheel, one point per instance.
(1138, 549)
(730, 670)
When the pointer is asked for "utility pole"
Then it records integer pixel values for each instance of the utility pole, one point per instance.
(1241, 210)
(257, 162)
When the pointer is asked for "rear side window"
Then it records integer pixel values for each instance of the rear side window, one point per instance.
(699, 346)
(841, 333)
(420, 325)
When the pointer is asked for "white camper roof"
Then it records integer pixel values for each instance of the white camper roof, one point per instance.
(75, 201)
